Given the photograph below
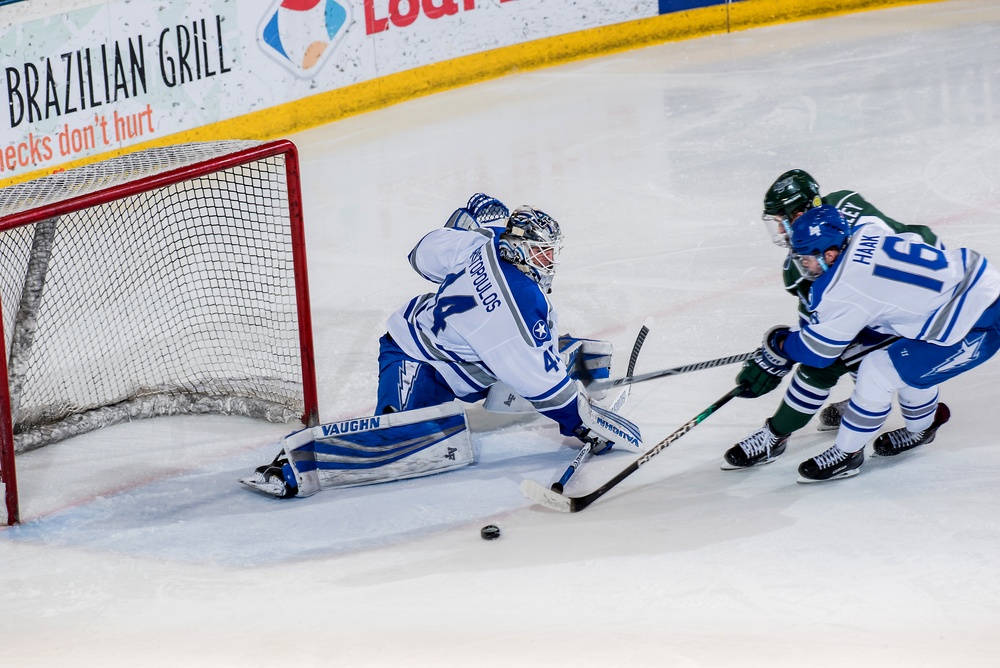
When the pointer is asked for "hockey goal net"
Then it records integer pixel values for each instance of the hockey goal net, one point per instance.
(168, 281)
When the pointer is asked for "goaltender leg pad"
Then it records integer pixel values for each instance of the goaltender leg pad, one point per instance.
(608, 424)
(369, 450)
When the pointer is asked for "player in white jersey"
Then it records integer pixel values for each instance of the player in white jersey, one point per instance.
(489, 320)
(943, 303)
(791, 195)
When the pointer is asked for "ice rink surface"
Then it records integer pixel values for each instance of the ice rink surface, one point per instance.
(139, 548)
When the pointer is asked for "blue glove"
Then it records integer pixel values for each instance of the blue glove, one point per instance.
(764, 371)
(486, 209)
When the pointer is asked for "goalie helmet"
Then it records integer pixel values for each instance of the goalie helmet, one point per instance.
(793, 192)
(816, 231)
(533, 243)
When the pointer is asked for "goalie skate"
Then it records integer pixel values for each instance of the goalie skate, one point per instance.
(272, 480)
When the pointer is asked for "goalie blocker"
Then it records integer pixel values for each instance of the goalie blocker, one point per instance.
(368, 450)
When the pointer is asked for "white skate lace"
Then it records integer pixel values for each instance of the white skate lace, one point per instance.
(902, 437)
(830, 458)
(758, 442)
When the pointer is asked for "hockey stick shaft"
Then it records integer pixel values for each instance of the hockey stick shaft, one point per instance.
(586, 449)
(567, 504)
(677, 370)
(558, 486)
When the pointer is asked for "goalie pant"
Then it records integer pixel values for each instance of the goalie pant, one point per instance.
(382, 448)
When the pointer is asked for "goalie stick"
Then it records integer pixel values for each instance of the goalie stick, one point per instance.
(619, 401)
(571, 504)
(687, 368)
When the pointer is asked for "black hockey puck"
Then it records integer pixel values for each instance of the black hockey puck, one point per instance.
(490, 532)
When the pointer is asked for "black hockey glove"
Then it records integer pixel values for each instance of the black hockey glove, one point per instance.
(598, 445)
(762, 373)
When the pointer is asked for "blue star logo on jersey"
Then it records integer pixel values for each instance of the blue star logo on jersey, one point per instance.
(540, 330)
(967, 353)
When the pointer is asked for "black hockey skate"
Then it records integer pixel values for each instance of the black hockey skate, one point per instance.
(757, 449)
(274, 479)
(831, 465)
(830, 417)
(894, 442)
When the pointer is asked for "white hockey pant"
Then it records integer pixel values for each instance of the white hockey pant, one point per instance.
(876, 384)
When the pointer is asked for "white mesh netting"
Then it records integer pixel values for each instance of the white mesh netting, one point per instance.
(175, 300)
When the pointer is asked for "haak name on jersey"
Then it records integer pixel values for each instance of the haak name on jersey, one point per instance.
(865, 249)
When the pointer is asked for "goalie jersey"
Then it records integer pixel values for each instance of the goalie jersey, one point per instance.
(487, 321)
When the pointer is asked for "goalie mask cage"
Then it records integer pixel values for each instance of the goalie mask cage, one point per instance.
(168, 281)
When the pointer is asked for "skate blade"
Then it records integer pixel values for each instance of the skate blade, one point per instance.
(726, 466)
(845, 474)
(275, 489)
(827, 427)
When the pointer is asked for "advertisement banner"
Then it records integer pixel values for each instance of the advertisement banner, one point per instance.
(103, 77)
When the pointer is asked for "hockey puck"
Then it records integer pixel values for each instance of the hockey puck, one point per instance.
(490, 532)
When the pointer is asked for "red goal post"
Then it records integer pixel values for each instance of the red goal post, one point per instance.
(167, 281)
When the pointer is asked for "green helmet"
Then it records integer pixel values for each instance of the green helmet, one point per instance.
(794, 191)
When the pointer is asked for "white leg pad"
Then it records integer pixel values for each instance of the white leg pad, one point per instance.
(382, 448)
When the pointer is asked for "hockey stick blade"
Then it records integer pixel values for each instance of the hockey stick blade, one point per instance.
(637, 346)
(546, 497)
(677, 370)
(572, 504)
(615, 406)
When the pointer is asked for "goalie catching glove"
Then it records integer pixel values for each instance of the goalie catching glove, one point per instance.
(764, 371)
(481, 210)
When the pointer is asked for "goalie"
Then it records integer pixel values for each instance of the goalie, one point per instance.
(488, 326)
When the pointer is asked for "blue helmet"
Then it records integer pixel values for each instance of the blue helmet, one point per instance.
(818, 230)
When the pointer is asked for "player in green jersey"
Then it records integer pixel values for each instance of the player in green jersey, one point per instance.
(791, 195)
